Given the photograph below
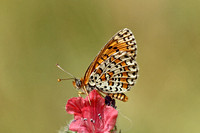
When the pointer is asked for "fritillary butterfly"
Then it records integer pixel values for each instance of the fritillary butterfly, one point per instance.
(114, 70)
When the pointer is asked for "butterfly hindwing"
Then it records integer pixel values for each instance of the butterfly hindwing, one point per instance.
(114, 70)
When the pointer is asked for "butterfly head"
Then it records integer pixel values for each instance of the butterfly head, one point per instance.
(78, 83)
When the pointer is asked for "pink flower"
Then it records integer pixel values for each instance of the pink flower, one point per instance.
(91, 118)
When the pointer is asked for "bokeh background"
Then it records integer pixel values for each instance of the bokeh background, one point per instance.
(35, 35)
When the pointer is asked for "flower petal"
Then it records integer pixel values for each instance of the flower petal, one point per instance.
(110, 116)
(77, 125)
(91, 115)
(74, 105)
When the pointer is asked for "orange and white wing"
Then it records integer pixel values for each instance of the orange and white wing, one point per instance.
(114, 69)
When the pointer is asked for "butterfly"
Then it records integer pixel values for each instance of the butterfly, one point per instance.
(114, 70)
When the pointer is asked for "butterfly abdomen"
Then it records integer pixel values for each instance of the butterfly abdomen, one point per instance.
(119, 96)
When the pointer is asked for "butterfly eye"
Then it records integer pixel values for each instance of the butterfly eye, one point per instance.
(78, 83)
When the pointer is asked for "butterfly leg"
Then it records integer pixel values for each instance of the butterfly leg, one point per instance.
(80, 93)
(100, 93)
(86, 92)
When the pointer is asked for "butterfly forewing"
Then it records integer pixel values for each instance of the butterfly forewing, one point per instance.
(114, 70)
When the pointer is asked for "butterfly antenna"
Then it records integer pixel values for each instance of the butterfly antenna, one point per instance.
(65, 72)
(65, 79)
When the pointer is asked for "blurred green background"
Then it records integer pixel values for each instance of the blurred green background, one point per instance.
(35, 35)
